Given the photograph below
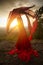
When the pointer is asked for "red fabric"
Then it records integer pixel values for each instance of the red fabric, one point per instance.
(24, 55)
(23, 46)
(24, 52)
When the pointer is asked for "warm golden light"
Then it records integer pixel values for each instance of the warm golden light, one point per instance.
(32, 20)
(25, 21)
(3, 21)
(14, 23)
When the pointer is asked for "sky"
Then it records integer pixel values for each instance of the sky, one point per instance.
(7, 5)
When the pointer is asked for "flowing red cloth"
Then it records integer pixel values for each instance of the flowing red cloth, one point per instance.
(24, 50)
(23, 46)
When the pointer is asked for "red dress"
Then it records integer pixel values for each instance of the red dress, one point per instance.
(23, 48)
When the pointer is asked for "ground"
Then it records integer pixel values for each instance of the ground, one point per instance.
(6, 59)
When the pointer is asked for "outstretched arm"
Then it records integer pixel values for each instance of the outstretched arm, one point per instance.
(11, 17)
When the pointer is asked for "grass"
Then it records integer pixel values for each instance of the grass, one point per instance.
(6, 59)
(14, 60)
(7, 43)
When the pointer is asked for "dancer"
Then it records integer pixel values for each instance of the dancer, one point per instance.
(23, 46)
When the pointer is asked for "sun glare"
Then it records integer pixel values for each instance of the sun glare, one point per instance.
(14, 23)
(3, 21)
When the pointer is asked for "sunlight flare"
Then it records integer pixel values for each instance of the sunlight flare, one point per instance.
(14, 23)
(3, 21)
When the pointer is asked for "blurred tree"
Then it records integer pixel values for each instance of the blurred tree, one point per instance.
(39, 12)
(39, 32)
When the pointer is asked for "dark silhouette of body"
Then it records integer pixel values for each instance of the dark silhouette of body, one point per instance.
(18, 12)
(23, 46)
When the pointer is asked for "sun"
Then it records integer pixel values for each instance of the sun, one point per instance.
(14, 23)
(3, 21)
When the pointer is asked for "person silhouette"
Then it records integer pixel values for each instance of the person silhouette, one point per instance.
(23, 46)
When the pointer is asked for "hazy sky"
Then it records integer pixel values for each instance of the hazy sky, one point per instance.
(7, 5)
